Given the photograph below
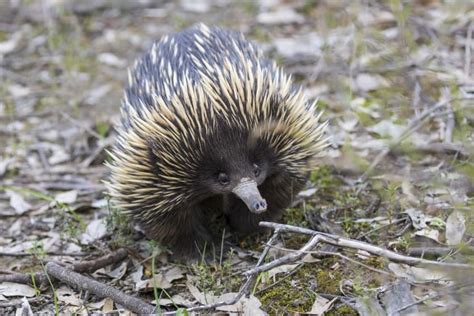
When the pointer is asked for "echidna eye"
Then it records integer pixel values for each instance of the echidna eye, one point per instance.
(223, 178)
(256, 170)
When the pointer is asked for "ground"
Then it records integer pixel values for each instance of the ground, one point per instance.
(394, 79)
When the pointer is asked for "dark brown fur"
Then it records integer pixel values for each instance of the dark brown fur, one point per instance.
(188, 232)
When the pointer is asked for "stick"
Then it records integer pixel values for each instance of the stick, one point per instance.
(85, 266)
(360, 245)
(93, 265)
(100, 289)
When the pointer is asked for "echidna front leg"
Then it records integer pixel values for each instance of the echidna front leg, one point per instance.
(182, 231)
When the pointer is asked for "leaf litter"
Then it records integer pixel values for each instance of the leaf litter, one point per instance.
(373, 69)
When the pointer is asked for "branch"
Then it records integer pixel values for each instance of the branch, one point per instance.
(359, 245)
(85, 266)
(93, 265)
(98, 288)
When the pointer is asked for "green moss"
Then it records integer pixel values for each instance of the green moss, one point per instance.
(284, 298)
(308, 7)
(102, 128)
(295, 216)
(259, 34)
(294, 294)
(342, 310)
(323, 178)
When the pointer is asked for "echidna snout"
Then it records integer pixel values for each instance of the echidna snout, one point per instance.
(248, 192)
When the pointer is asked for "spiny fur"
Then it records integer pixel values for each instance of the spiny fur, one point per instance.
(191, 87)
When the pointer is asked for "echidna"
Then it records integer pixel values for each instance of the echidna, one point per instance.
(209, 125)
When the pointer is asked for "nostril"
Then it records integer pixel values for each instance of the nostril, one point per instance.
(256, 206)
(260, 205)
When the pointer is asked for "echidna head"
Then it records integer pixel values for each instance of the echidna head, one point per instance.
(216, 119)
(232, 167)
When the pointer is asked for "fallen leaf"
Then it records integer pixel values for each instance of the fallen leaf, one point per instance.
(17, 202)
(196, 6)
(15, 289)
(280, 16)
(414, 274)
(321, 305)
(429, 233)
(387, 129)
(25, 308)
(4, 165)
(175, 300)
(118, 272)
(417, 217)
(286, 268)
(307, 193)
(455, 228)
(99, 203)
(158, 281)
(203, 298)
(367, 82)
(245, 306)
(68, 197)
(108, 306)
(10, 45)
(69, 297)
(95, 230)
(174, 273)
(110, 59)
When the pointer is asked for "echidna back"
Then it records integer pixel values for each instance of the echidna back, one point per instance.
(186, 55)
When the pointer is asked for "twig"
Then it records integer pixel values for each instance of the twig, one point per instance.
(100, 289)
(93, 265)
(85, 266)
(437, 251)
(281, 279)
(443, 148)
(81, 125)
(467, 51)
(416, 97)
(340, 255)
(102, 144)
(23, 278)
(332, 253)
(48, 253)
(359, 245)
(292, 257)
(18, 302)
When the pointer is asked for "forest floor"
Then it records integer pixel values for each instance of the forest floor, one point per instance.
(396, 82)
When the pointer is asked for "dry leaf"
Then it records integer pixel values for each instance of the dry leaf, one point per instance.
(17, 202)
(94, 231)
(245, 306)
(414, 274)
(455, 228)
(203, 298)
(69, 297)
(15, 289)
(68, 197)
(280, 16)
(321, 305)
